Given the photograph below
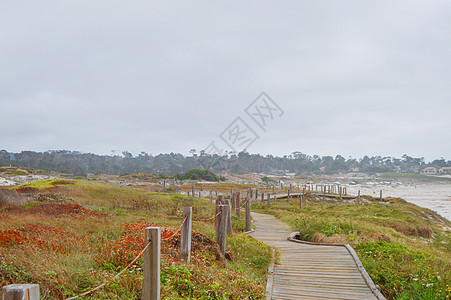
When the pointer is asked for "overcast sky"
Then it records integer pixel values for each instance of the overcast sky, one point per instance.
(349, 77)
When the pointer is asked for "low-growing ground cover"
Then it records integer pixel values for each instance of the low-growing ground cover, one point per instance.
(405, 249)
(71, 236)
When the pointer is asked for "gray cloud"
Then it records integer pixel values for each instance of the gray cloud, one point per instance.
(353, 77)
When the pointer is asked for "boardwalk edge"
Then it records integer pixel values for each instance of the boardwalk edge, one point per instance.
(369, 282)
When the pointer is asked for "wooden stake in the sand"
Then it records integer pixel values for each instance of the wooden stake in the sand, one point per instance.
(229, 218)
(238, 203)
(248, 214)
(151, 264)
(185, 240)
(221, 229)
(21, 291)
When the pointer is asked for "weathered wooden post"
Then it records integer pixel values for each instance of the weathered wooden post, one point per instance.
(232, 201)
(380, 197)
(263, 197)
(192, 189)
(217, 211)
(358, 197)
(238, 203)
(273, 188)
(151, 265)
(256, 194)
(185, 241)
(288, 197)
(341, 192)
(229, 218)
(248, 214)
(291, 186)
(164, 185)
(21, 292)
(211, 196)
(269, 199)
(324, 190)
(301, 198)
(221, 228)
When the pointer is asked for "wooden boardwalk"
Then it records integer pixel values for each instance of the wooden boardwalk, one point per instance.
(308, 271)
(297, 195)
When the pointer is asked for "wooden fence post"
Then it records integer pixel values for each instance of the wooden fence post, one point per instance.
(238, 203)
(232, 201)
(192, 189)
(341, 192)
(248, 214)
(151, 266)
(380, 197)
(269, 199)
(301, 198)
(211, 196)
(217, 212)
(221, 228)
(288, 198)
(21, 291)
(358, 197)
(185, 240)
(229, 218)
(164, 185)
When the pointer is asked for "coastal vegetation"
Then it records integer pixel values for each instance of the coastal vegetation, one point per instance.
(70, 236)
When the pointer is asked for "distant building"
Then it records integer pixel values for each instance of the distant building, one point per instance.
(445, 170)
(429, 170)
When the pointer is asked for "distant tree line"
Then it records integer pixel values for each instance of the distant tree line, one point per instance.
(83, 164)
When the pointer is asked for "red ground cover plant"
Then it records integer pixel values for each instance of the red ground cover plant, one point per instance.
(123, 249)
(40, 237)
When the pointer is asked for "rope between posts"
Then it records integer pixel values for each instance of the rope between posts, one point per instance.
(113, 278)
(244, 203)
(128, 266)
(203, 220)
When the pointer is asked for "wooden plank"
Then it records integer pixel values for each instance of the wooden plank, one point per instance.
(311, 271)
